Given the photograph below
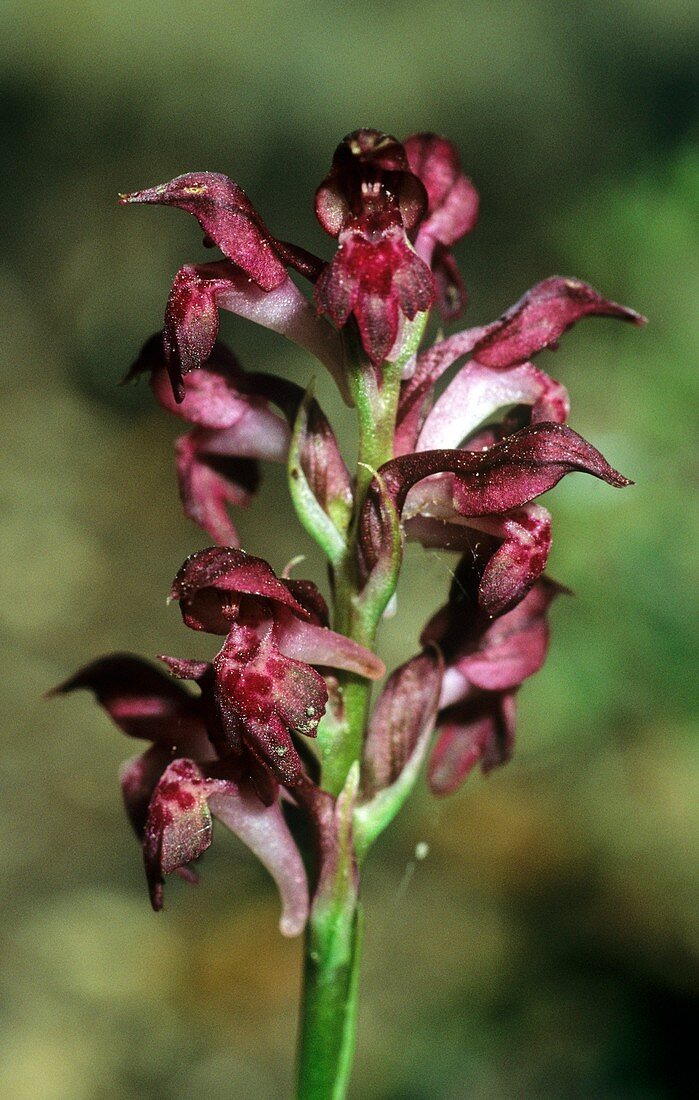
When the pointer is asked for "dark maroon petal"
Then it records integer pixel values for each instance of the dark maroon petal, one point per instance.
(178, 826)
(541, 317)
(524, 466)
(191, 323)
(228, 219)
(482, 729)
(452, 199)
(142, 700)
(406, 708)
(209, 484)
(208, 576)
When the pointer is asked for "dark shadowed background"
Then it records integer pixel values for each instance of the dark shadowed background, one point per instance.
(547, 945)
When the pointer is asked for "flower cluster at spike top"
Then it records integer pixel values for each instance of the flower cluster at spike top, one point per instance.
(268, 735)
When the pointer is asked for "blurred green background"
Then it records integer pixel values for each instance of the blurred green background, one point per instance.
(547, 946)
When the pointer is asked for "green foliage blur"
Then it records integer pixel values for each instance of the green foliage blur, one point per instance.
(547, 946)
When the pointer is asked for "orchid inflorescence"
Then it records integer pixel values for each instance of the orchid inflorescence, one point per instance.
(280, 724)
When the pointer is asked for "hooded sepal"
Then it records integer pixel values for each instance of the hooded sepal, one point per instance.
(369, 168)
(541, 316)
(228, 219)
(209, 583)
(504, 476)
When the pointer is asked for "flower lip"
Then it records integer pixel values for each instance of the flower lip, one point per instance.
(377, 276)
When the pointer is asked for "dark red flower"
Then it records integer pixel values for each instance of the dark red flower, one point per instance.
(171, 790)
(370, 172)
(262, 687)
(371, 201)
(493, 486)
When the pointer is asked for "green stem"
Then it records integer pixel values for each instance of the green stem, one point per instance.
(329, 1009)
(334, 934)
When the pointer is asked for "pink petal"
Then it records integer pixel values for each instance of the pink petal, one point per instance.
(415, 391)
(265, 832)
(478, 392)
(284, 310)
(318, 645)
